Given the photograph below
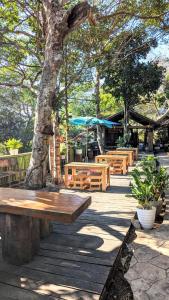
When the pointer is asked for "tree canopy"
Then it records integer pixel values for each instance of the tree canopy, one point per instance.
(50, 51)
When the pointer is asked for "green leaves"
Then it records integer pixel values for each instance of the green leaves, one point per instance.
(149, 182)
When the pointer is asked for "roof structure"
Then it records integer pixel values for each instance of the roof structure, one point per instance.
(135, 116)
(163, 121)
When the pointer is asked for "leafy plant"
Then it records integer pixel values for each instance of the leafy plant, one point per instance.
(79, 145)
(143, 192)
(62, 149)
(13, 144)
(160, 183)
(150, 182)
(123, 141)
(2, 149)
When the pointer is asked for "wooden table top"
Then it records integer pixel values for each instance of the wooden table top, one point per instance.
(47, 205)
(113, 156)
(87, 165)
(128, 149)
(122, 151)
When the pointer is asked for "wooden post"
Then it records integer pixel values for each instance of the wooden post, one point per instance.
(45, 228)
(150, 140)
(20, 238)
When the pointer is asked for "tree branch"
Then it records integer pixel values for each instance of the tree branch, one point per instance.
(78, 14)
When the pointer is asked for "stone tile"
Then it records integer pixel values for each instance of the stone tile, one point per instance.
(159, 290)
(141, 296)
(149, 272)
(139, 285)
(145, 253)
(161, 261)
(133, 261)
(132, 275)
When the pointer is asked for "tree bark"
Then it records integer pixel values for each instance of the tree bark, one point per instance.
(99, 128)
(66, 109)
(57, 178)
(58, 23)
(125, 116)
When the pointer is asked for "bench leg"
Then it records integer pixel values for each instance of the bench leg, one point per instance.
(45, 228)
(20, 238)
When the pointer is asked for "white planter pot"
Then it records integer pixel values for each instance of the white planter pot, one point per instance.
(13, 151)
(78, 151)
(146, 217)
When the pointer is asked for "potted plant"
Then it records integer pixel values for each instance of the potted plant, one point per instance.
(160, 183)
(78, 148)
(13, 145)
(123, 141)
(143, 192)
(63, 150)
(159, 178)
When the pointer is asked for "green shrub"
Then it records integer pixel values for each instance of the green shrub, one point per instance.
(3, 150)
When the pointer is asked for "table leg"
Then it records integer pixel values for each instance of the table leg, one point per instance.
(46, 228)
(124, 167)
(108, 176)
(104, 180)
(74, 171)
(20, 238)
(66, 176)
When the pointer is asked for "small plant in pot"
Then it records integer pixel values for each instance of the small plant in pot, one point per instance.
(63, 150)
(13, 146)
(146, 210)
(78, 148)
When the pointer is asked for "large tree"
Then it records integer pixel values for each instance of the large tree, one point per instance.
(57, 24)
(130, 76)
(32, 38)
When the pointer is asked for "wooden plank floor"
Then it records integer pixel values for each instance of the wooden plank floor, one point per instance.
(74, 262)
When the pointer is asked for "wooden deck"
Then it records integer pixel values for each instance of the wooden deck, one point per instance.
(74, 262)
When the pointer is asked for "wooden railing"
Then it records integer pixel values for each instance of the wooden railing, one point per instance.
(13, 167)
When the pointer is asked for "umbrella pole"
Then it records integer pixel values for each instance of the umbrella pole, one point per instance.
(86, 158)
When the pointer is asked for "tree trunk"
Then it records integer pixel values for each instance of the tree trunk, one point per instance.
(99, 128)
(56, 151)
(66, 111)
(57, 24)
(125, 116)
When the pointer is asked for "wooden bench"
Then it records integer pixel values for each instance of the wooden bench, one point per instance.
(102, 179)
(25, 217)
(118, 163)
(123, 152)
(131, 149)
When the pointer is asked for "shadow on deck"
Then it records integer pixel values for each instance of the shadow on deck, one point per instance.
(75, 261)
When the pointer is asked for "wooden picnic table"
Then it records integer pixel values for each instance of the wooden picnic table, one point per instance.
(113, 160)
(24, 213)
(131, 149)
(123, 152)
(75, 167)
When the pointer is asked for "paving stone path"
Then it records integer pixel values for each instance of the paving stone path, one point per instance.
(149, 271)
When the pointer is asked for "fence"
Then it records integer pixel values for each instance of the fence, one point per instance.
(13, 168)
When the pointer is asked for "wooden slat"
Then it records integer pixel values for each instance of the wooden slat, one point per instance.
(39, 276)
(74, 260)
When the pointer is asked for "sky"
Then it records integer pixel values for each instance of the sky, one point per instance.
(161, 52)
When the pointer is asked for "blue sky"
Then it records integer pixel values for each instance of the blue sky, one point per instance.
(162, 51)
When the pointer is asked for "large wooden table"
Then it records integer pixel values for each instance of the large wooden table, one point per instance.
(112, 159)
(131, 149)
(123, 152)
(75, 167)
(25, 213)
